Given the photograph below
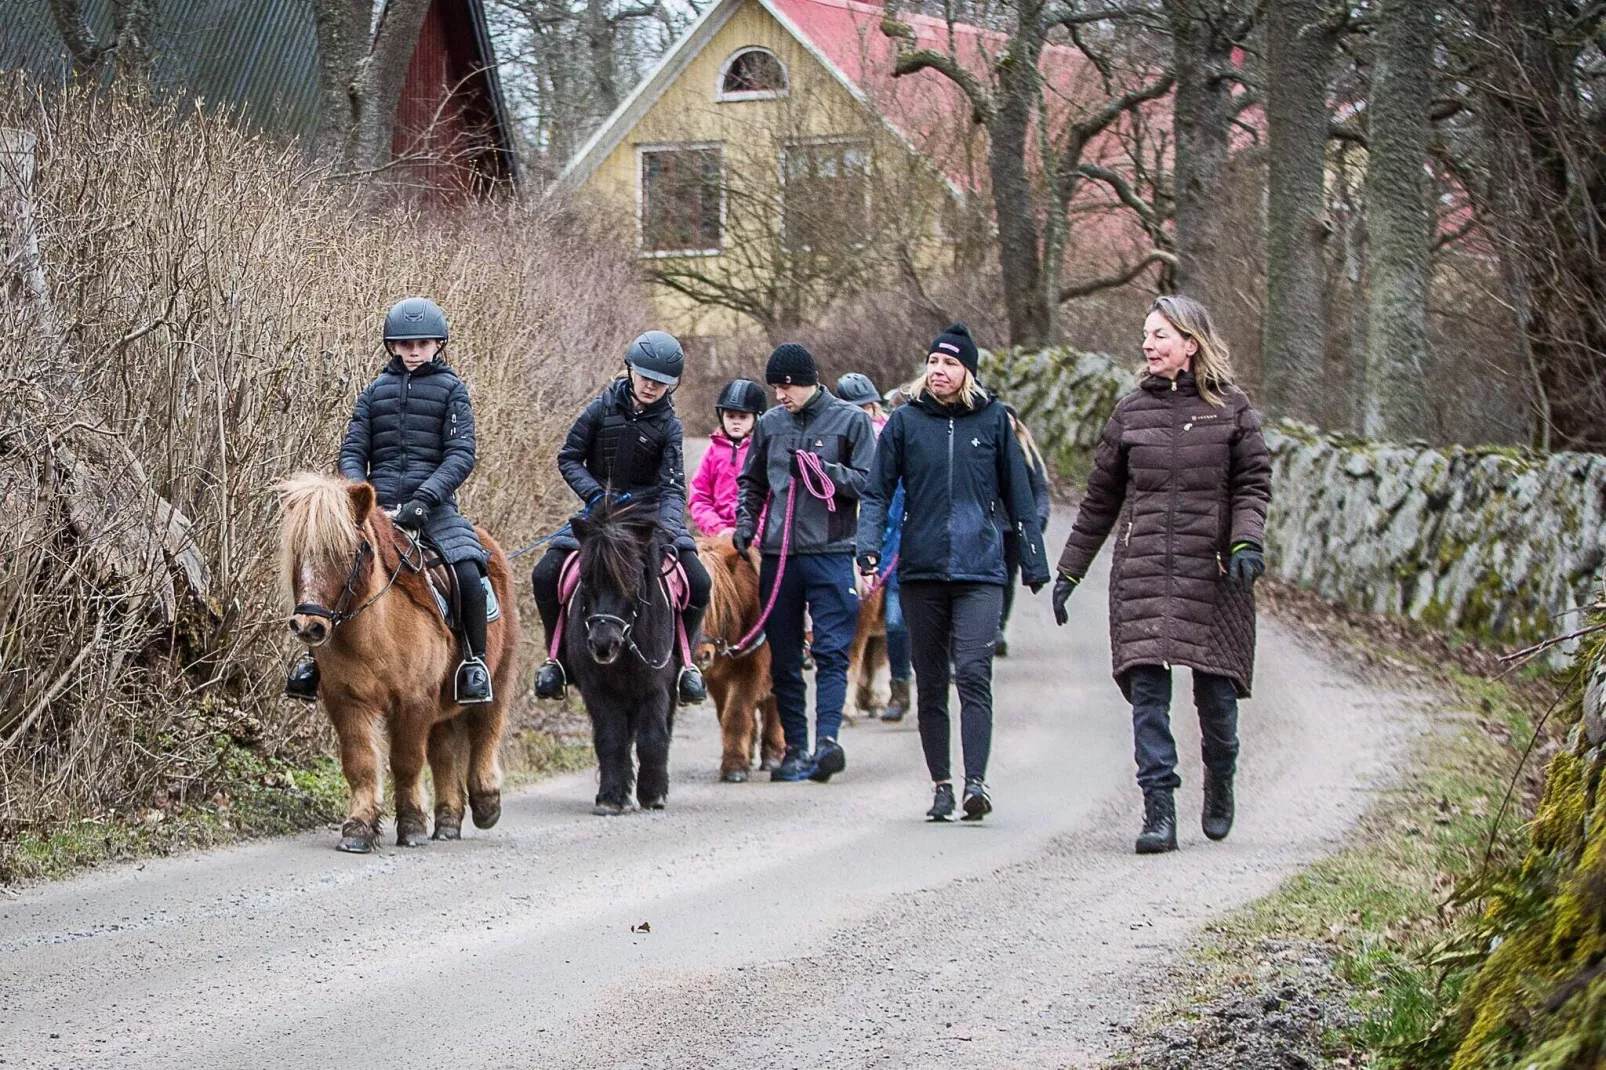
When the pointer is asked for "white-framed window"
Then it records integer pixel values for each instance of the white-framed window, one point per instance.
(827, 193)
(752, 73)
(682, 199)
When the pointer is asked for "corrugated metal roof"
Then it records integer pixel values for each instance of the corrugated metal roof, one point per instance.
(257, 58)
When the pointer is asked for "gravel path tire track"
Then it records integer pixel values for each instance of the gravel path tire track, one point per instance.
(791, 925)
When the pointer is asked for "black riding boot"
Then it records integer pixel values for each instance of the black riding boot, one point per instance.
(691, 686)
(473, 681)
(1218, 804)
(1159, 833)
(550, 678)
(302, 683)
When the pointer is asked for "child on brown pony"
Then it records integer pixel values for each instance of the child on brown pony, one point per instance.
(412, 437)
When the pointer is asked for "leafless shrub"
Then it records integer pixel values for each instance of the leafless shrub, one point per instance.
(220, 306)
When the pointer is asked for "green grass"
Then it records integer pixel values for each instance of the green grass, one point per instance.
(253, 796)
(1386, 905)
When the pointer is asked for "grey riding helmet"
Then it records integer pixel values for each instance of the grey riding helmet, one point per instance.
(741, 395)
(857, 389)
(657, 356)
(415, 317)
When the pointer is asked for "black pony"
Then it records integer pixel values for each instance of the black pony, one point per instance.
(620, 640)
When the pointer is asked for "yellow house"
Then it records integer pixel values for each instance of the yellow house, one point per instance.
(771, 163)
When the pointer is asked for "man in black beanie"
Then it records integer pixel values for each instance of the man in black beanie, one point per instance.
(819, 557)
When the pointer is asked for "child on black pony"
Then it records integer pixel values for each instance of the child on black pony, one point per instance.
(628, 440)
(412, 437)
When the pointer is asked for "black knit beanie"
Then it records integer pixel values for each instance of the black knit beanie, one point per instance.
(957, 343)
(792, 365)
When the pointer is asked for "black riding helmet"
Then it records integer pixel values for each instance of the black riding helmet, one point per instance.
(415, 317)
(741, 395)
(657, 356)
(857, 389)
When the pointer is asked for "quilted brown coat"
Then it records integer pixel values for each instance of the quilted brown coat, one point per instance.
(1181, 481)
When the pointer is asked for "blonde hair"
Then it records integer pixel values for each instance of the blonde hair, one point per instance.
(1028, 444)
(969, 389)
(1212, 363)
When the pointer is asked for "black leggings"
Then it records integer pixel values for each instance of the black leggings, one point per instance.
(471, 606)
(549, 569)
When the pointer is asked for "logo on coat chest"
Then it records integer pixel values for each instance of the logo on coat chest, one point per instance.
(975, 442)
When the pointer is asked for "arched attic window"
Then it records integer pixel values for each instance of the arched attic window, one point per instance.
(752, 74)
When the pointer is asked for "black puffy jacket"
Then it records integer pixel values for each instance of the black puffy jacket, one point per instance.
(614, 446)
(958, 466)
(412, 436)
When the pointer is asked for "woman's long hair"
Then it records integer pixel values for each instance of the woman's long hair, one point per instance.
(1212, 364)
(970, 391)
(1028, 444)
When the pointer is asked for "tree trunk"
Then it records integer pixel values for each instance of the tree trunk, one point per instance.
(1020, 262)
(1202, 113)
(361, 76)
(1398, 223)
(1294, 336)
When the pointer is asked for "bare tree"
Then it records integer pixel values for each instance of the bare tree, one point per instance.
(1398, 221)
(1205, 35)
(362, 69)
(128, 49)
(1301, 37)
(1009, 100)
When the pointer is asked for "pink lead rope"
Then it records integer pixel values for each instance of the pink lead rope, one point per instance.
(816, 482)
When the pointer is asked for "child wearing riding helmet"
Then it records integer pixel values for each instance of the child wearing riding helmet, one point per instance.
(412, 437)
(713, 489)
(858, 389)
(627, 440)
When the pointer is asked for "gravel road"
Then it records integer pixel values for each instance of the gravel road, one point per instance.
(791, 925)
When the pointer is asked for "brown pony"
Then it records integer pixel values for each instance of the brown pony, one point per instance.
(869, 650)
(739, 685)
(386, 658)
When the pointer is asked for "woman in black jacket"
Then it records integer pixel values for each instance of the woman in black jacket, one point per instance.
(412, 437)
(954, 450)
(628, 440)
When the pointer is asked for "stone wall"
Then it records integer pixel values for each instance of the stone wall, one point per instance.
(1501, 543)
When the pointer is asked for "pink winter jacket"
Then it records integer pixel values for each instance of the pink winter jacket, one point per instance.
(712, 500)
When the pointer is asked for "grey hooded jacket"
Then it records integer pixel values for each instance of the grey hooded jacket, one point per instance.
(841, 435)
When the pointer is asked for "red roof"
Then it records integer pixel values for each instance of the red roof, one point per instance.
(928, 109)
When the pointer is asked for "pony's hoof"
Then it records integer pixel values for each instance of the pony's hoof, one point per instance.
(769, 765)
(734, 776)
(487, 809)
(357, 837)
(448, 828)
(654, 804)
(609, 809)
(410, 832)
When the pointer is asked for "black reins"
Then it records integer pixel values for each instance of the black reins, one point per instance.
(348, 591)
(628, 625)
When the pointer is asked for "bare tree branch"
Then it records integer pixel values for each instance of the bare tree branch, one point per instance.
(981, 103)
(1119, 278)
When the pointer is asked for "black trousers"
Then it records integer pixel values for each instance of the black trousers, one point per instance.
(953, 623)
(471, 606)
(548, 571)
(1216, 699)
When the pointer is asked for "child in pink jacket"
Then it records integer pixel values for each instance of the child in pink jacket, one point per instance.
(712, 500)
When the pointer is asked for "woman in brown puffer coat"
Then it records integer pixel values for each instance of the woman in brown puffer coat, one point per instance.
(1183, 470)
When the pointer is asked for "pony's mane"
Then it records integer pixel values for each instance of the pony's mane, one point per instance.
(612, 553)
(317, 522)
(734, 592)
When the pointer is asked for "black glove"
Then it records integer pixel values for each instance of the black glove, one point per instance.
(1063, 587)
(1038, 586)
(413, 515)
(868, 563)
(1246, 565)
(741, 540)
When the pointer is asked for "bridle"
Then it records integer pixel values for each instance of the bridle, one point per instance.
(627, 624)
(348, 590)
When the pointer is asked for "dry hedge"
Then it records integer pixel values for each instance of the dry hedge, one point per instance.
(219, 303)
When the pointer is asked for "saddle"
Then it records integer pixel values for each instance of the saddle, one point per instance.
(672, 574)
(442, 580)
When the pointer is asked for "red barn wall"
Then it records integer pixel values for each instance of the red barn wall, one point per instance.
(445, 124)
